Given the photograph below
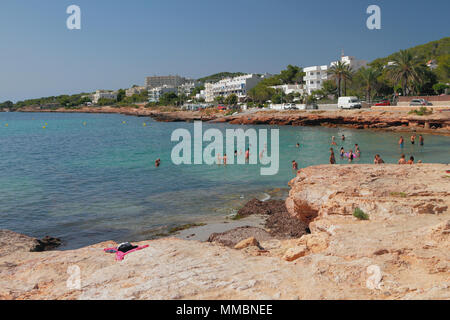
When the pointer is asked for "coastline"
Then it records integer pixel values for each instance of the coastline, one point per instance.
(400, 252)
(396, 121)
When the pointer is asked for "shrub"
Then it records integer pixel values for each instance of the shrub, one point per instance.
(361, 215)
(423, 111)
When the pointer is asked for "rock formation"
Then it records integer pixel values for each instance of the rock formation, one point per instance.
(401, 252)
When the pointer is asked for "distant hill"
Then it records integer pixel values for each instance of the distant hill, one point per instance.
(431, 50)
(219, 76)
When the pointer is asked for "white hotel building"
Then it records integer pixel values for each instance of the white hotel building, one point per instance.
(237, 85)
(316, 75)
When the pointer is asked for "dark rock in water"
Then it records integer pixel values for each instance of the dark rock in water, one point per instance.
(46, 244)
(232, 237)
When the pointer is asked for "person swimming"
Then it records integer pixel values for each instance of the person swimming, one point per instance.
(411, 160)
(157, 162)
(402, 160)
(298, 145)
(333, 143)
(294, 165)
(332, 158)
(343, 138)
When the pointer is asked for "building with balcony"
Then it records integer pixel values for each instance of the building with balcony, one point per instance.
(237, 85)
(103, 94)
(160, 81)
(135, 90)
(155, 94)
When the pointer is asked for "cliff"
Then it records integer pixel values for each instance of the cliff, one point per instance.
(401, 252)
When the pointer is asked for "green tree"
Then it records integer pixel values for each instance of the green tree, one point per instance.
(292, 74)
(405, 70)
(121, 94)
(439, 88)
(232, 99)
(369, 78)
(342, 74)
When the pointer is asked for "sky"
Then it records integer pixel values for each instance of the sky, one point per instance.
(122, 42)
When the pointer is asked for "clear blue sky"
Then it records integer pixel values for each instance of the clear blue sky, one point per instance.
(121, 42)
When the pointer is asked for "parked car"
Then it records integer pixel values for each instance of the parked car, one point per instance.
(221, 108)
(419, 102)
(385, 102)
(349, 103)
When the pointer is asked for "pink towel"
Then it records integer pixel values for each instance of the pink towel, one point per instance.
(121, 255)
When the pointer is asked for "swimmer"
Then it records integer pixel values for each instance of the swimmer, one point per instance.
(421, 140)
(342, 152)
(413, 139)
(294, 165)
(411, 160)
(343, 138)
(235, 153)
(401, 142)
(224, 159)
(298, 145)
(332, 140)
(357, 150)
(157, 162)
(247, 154)
(402, 160)
(332, 158)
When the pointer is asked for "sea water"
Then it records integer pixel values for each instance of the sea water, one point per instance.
(87, 178)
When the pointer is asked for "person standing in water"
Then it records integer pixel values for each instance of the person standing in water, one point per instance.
(332, 158)
(421, 140)
(247, 154)
(157, 162)
(333, 143)
(342, 152)
(378, 160)
(413, 139)
(294, 165)
(350, 156)
(401, 142)
(224, 159)
(357, 150)
(298, 145)
(343, 138)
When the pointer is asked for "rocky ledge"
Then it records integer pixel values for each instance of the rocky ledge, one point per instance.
(402, 250)
(438, 122)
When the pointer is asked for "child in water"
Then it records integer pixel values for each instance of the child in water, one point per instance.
(332, 159)
(294, 165)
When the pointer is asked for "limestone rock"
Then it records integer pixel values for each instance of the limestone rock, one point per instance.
(295, 252)
(249, 242)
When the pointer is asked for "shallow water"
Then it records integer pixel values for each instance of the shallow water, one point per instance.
(90, 177)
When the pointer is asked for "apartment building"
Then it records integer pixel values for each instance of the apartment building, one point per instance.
(135, 90)
(160, 81)
(237, 85)
(316, 75)
(103, 94)
(155, 94)
(291, 88)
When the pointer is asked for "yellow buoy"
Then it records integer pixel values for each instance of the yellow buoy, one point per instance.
(44, 127)
(84, 123)
(6, 125)
(123, 122)
(144, 124)
(46, 124)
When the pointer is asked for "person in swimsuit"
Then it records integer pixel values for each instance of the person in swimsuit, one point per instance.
(402, 160)
(157, 162)
(332, 158)
(298, 145)
(342, 152)
(343, 138)
(333, 143)
(357, 150)
(247, 154)
(411, 160)
(350, 156)
(421, 140)
(401, 142)
(413, 139)
(224, 159)
(378, 160)
(294, 165)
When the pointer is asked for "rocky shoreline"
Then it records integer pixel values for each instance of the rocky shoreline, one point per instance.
(436, 123)
(401, 252)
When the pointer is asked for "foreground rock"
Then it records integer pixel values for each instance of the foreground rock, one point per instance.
(402, 252)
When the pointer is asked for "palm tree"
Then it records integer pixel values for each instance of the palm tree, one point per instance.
(369, 78)
(340, 71)
(405, 69)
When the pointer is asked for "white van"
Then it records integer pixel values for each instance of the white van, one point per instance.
(349, 103)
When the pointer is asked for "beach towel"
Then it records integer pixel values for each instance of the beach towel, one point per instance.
(121, 255)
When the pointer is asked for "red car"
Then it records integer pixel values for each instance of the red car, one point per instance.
(385, 102)
(221, 108)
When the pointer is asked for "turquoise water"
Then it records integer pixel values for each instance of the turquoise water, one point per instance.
(87, 178)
